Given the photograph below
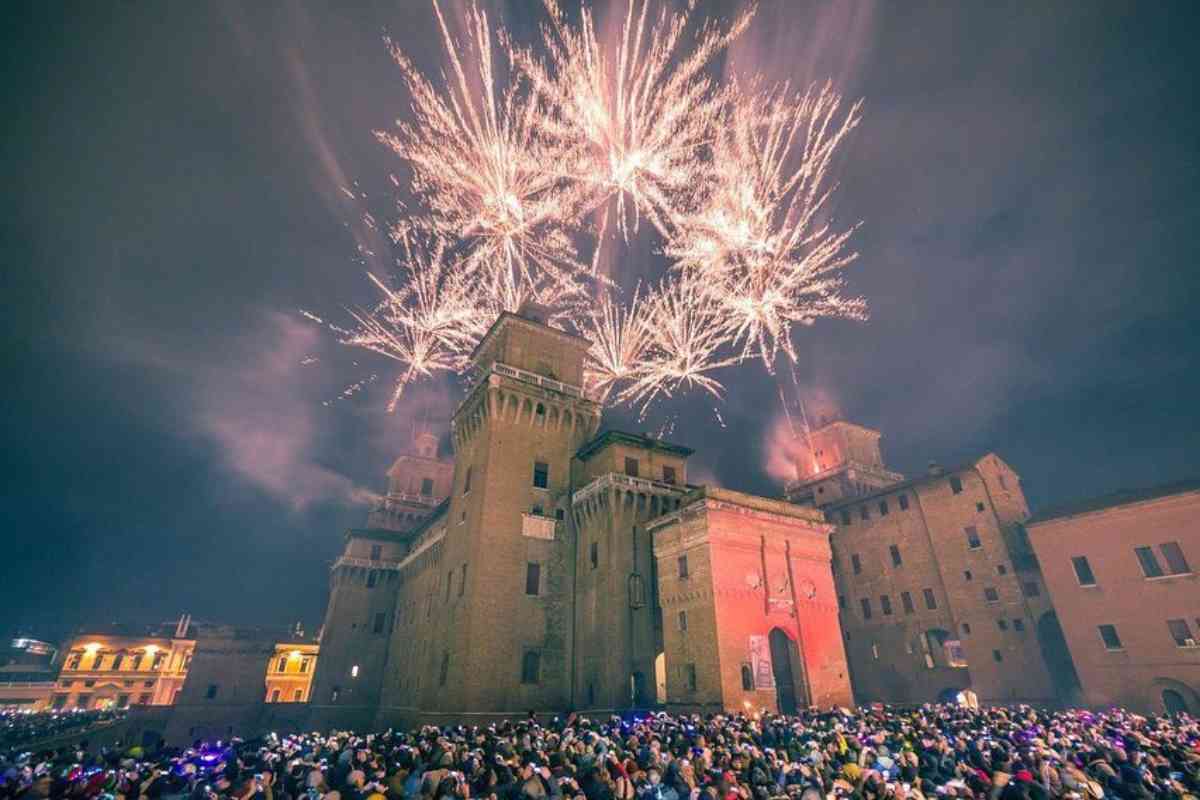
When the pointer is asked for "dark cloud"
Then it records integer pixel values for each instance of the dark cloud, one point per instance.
(1026, 176)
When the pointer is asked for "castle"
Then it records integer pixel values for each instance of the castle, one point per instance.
(550, 567)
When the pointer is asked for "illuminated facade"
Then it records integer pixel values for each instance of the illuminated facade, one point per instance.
(107, 671)
(290, 672)
(534, 577)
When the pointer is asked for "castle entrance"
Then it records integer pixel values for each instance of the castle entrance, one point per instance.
(785, 662)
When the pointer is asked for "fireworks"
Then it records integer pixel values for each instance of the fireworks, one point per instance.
(514, 171)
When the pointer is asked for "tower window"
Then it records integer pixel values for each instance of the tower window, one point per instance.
(683, 620)
(967, 575)
(979, 507)
(997, 656)
(668, 475)
(377, 625)
(856, 563)
(841, 601)
(1002, 624)
(541, 475)
(372, 579)
(689, 671)
(1083, 571)
(211, 692)
(376, 551)
(903, 501)
(531, 664)
(866, 607)
(467, 481)
(930, 600)
(1108, 635)
(426, 487)
(885, 603)
(895, 551)
(533, 578)
(1018, 624)
(683, 567)
(883, 508)
(966, 628)
(631, 467)
(973, 541)
(991, 595)
(354, 671)
(1001, 569)
(1030, 589)
(956, 485)
(845, 517)
(281, 665)
(864, 512)
(594, 554)
(906, 602)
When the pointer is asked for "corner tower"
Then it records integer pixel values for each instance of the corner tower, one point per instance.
(840, 460)
(506, 645)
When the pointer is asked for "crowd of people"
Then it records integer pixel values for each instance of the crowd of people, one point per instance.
(925, 753)
(22, 727)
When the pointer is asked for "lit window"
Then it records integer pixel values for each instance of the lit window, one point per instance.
(354, 671)
(304, 665)
(281, 665)
(1108, 635)
(1083, 571)
(541, 475)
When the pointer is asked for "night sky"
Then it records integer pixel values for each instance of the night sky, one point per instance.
(1026, 175)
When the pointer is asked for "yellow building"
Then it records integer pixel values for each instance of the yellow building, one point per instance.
(290, 672)
(105, 671)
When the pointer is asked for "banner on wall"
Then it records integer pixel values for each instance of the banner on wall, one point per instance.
(760, 662)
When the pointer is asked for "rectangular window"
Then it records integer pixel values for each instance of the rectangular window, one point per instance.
(594, 554)
(1018, 624)
(372, 577)
(991, 595)
(467, 481)
(533, 578)
(866, 607)
(864, 512)
(885, 603)
(211, 691)
(997, 656)
(1150, 567)
(1030, 588)
(906, 602)
(895, 551)
(631, 467)
(903, 501)
(956, 485)
(1173, 555)
(1001, 569)
(856, 563)
(305, 664)
(845, 517)
(972, 537)
(541, 475)
(1002, 624)
(426, 487)
(979, 507)
(683, 566)
(967, 575)
(377, 625)
(930, 600)
(1108, 635)
(1083, 571)
(462, 580)
(683, 620)
(689, 671)
(376, 551)
(668, 475)
(883, 508)
(144, 699)
(298, 695)
(274, 696)
(1181, 633)
(281, 665)
(531, 666)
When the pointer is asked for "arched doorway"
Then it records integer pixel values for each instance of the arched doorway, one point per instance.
(637, 686)
(785, 665)
(1058, 659)
(1173, 702)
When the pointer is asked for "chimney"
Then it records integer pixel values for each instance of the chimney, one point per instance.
(935, 468)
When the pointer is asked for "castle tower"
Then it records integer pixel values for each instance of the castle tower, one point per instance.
(841, 460)
(417, 482)
(623, 480)
(493, 591)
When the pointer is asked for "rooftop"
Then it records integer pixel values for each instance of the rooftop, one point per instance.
(919, 480)
(1123, 497)
(642, 440)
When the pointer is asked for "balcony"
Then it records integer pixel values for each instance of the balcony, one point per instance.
(366, 563)
(535, 526)
(537, 380)
(627, 483)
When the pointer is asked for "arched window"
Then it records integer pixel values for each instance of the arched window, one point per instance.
(747, 678)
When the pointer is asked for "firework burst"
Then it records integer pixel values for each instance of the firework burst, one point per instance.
(759, 234)
(633, 124)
